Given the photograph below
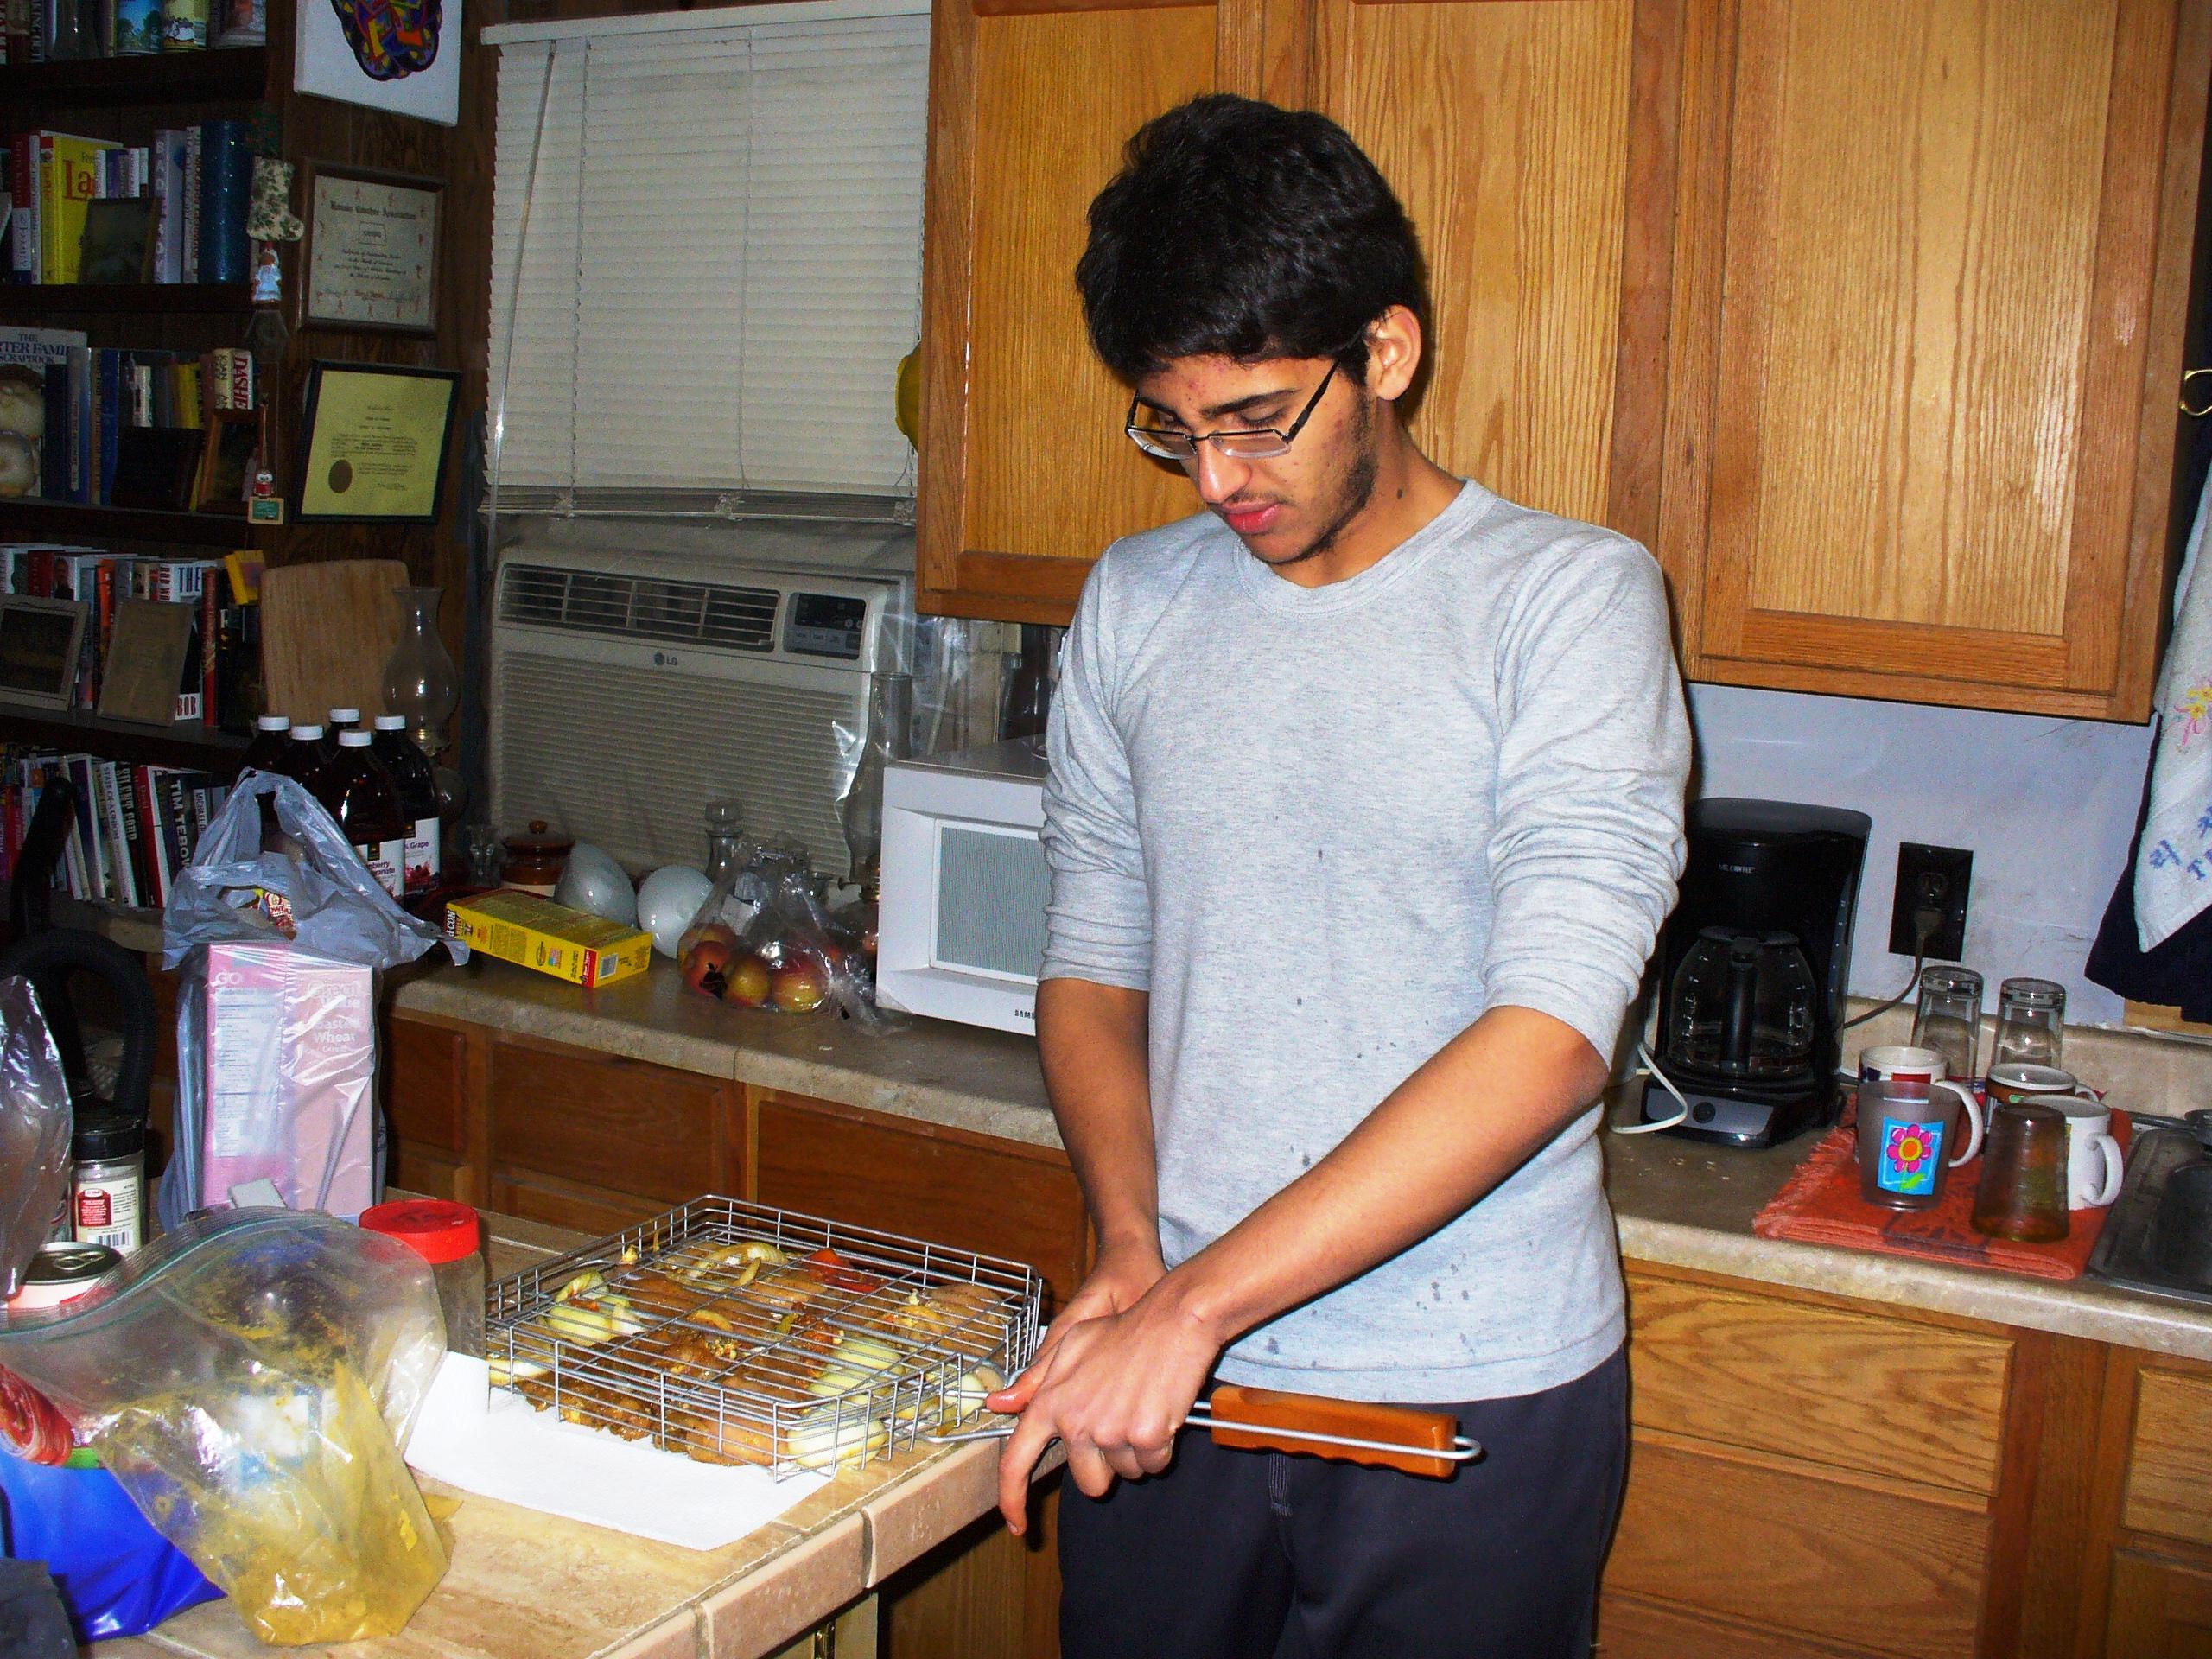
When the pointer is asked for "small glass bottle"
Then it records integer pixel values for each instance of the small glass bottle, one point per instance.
(726, 849)
(449, 1237)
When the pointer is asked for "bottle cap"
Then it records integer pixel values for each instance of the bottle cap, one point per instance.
(391, 722)
(273, 723)
(306, 734)
(99, 1136)
(353, 738)
(345, 716)
(438, 1231)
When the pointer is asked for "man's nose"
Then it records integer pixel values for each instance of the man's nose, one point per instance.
(1217, 476)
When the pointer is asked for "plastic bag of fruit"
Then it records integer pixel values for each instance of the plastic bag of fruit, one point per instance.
(763, 940)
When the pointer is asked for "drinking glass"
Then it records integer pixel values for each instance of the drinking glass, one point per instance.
(2031, 1022)
(1948, 1019)
(2022, 1193)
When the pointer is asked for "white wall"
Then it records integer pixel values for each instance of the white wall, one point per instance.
(2046, 805)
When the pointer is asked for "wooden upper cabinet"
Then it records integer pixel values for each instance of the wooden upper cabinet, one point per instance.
(1932, 266)
(1511, 129)
(1026, 476)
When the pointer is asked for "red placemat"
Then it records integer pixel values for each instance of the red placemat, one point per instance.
(1822, 1205)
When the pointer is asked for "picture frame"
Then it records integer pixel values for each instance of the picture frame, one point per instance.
(116, 245)
(39, 640)
(371, 254)
(232, 439)
(146, 655)
(400, 57)
(373, 443)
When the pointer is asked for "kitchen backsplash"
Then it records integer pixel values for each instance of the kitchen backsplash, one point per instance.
(2046, 805)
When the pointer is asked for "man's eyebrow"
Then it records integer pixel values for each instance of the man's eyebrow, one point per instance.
(1216, 411)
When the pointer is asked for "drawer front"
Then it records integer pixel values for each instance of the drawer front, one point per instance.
(2169, 1462)
(2159, 1609)
(1887, 1572)
(878, 1174)
(425, 1069)
(591, 1210)
(616, 1124)
(1820, 1384)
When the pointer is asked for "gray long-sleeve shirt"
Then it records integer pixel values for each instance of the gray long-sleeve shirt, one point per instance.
(1325, 829)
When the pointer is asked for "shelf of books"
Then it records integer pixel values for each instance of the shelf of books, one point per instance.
(138, 822)
(27, 518)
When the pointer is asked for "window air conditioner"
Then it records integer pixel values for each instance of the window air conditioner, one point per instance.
(628, 690)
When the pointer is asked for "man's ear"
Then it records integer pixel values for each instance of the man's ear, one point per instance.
(1394, 346)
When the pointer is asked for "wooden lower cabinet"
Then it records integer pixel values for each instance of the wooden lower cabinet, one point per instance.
(2160, 1609)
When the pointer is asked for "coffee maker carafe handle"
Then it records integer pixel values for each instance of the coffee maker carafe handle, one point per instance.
(1740, 1005)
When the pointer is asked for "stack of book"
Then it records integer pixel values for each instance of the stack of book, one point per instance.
(194, 181)
(95, 398)
(219, 684)
(137, 826)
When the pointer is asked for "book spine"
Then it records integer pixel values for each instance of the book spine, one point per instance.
(188, 243)
(176, 820)
(210, 644)
(59, 447)
(81, 421)
(151, 840)
(109, 393)
(123, 821)
(88, 828)
(23, 190)
(226, 173)
(44, 193)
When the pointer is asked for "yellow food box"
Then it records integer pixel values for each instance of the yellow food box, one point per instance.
(570, 945)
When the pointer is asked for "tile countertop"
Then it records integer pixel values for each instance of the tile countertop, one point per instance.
(1679, 1203)
(526, 1586)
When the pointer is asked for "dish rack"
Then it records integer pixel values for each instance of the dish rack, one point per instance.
(738, 1333)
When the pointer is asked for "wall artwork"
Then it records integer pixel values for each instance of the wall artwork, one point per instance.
(399, 55)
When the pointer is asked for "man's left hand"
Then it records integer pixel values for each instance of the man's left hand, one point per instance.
(1114, 1391)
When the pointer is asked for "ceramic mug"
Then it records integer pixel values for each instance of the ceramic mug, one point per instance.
(1892, 1064)
(2018, 1080)
(2094, 1164)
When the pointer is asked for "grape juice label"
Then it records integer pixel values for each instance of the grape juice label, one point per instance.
(423, 856)
(1909, 1155)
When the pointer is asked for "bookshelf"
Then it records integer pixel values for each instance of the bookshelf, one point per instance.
(240, 75)
(39, 303)
(187, 743)
(28, 518)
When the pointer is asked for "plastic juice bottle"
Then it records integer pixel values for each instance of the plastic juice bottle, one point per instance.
(411, 773)
(358, 793)
(342, 720)
(267, 749)
(302, 760)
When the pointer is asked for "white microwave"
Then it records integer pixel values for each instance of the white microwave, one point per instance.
(960, 927)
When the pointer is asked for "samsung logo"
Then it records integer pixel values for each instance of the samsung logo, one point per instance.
(1030, 1015)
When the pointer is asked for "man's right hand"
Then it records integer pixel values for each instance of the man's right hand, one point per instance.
(1123, 1274)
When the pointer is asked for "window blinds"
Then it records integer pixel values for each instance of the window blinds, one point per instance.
(720, 265)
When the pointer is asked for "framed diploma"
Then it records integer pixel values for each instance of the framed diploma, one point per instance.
(371, 250)
(375, 446)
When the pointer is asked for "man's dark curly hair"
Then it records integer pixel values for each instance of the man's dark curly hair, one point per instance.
(1237, 229)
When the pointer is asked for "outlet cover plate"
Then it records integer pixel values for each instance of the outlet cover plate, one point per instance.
(1954, 867)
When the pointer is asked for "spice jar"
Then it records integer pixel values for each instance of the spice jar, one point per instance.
(536, 859)
(448, 1236)
(107, 1180)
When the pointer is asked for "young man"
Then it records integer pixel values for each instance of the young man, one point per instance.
(1365, 809)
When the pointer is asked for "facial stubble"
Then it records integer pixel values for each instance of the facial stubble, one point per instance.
(1359, 488)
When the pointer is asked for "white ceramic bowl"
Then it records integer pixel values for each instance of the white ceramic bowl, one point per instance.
(668, 900)
(593, 882)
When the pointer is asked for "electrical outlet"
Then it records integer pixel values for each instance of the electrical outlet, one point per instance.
(1935, 877)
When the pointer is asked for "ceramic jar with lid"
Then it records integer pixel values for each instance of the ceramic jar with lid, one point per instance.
(535, 858)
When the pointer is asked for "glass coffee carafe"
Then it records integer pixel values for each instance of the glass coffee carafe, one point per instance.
(1742, 1007)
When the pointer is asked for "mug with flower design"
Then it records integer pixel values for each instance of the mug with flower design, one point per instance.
(1906, 1136)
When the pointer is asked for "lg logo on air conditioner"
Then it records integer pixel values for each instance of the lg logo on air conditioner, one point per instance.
(667, 659)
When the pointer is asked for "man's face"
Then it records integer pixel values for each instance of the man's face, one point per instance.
(1290, 507)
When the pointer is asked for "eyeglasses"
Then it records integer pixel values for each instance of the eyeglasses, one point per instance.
(1256, 444)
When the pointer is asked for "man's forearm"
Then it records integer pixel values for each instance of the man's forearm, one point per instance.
(1092, 1039)
(1454, 1129)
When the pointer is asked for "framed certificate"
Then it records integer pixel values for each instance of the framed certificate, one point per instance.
(375, 446)
(371, 250)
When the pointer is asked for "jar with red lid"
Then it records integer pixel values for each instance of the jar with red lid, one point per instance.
(449, 1237)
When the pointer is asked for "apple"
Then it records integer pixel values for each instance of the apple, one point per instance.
(799, 985)
(721, 933)
(746, 982)
(707, 966)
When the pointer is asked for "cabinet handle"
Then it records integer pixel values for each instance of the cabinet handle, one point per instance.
(2186, 407)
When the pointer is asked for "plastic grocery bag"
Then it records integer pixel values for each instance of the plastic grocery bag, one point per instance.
(279, 1080)
(117, 1576)
(761, 939)
(248, 1379)
(35, 1126)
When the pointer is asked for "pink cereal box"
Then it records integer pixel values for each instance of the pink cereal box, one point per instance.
(291, 1072)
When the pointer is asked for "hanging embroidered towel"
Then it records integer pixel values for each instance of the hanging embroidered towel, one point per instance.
(2173, 869)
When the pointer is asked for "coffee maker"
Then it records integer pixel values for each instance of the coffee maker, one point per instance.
(1752, 966)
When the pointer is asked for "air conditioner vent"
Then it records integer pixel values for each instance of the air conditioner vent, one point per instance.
(547, 596)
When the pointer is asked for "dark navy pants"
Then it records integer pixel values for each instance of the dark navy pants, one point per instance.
(1265, 1555)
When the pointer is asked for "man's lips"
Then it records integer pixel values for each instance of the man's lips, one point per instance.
(1253, 520)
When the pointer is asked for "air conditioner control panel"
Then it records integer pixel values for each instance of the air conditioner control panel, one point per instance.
(825, 625)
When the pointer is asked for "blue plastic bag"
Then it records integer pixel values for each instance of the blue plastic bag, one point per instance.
(117, 1576)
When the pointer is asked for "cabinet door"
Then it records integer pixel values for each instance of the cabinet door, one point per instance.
(1025, 474)
(612, 1129)
(2160, 1608)
(1929, 299)
(425, 1076)
(1512, 130)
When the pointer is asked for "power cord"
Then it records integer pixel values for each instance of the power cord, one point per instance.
(1927, 917)
(1650, 1068)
